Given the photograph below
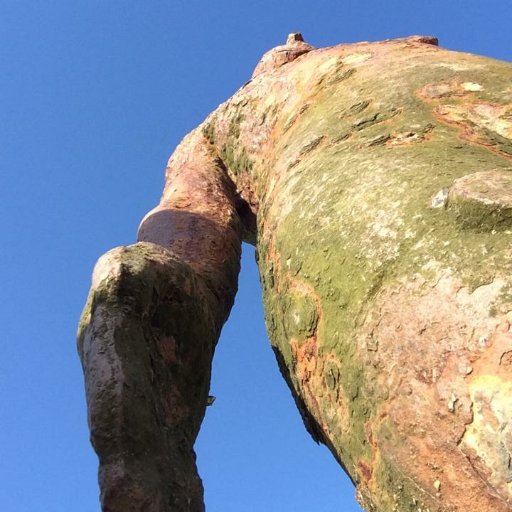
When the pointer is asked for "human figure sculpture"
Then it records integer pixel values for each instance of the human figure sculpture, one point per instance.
(375, 181)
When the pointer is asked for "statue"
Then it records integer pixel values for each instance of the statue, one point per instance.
(375, 180)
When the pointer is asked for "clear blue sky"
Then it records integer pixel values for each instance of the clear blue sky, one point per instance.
(94, 95)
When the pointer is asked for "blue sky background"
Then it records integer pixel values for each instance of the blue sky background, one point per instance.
(94, 95)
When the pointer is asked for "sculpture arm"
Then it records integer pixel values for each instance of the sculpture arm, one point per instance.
(148, 333)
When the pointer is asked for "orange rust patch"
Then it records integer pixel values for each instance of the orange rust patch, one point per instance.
(467, 113)
(425, 369)
(305, 355)
(364, 470)
(305, 359)
(455, 117)
(497, 357)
